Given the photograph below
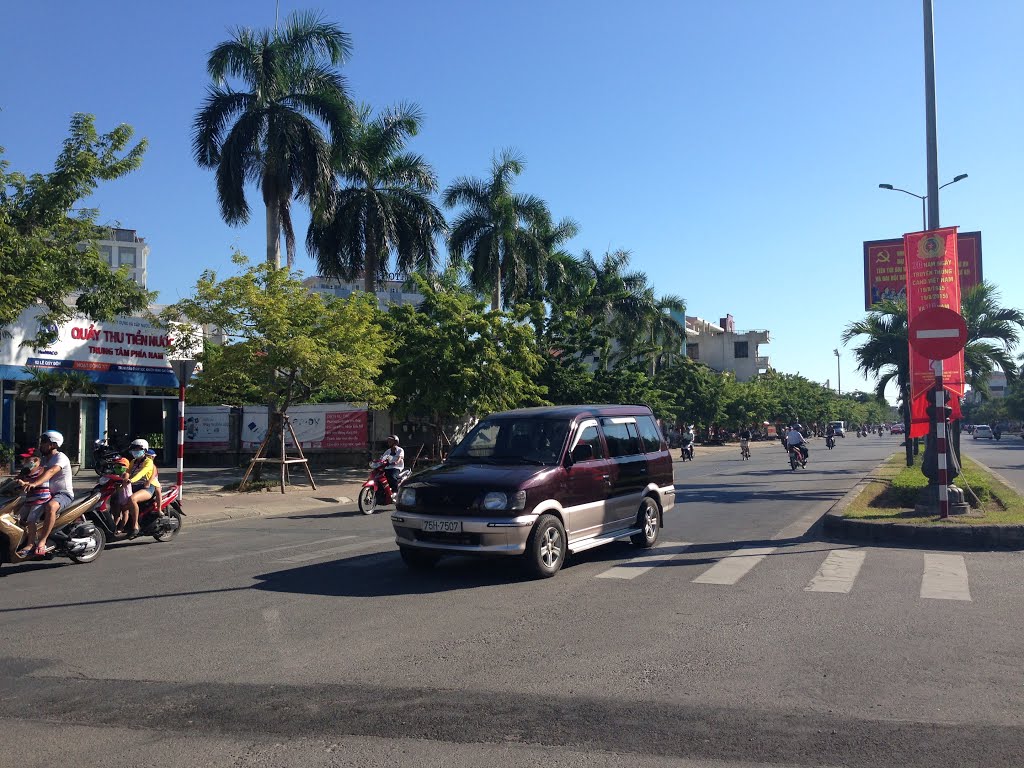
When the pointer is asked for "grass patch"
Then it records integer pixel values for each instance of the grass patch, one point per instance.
(896, 487)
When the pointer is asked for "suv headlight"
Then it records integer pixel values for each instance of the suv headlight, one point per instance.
(407, 497)
(498, 500)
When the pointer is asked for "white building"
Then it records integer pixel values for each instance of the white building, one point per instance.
(388, 291)
(996, 388)
(721, 347)
(126, 249)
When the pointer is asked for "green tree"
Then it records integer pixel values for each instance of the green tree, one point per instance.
(495, 232)
(384, 206)
(269, 133)
(993, 333)
(279, 332)
(49, 245)
(456, 359)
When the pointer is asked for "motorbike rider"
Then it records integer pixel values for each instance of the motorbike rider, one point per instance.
(687, 439)
(57, 474)
(394, 459)
(745, 441)
(796, 437)
(142, 475)
(830, 433)
(35, 501)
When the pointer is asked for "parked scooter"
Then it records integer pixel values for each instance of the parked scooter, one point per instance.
(73, 536)
(377, 491)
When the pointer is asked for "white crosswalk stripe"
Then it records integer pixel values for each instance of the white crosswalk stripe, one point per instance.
(635, 566)
(945, 578)
(322, 553)
(838, 572)
(731, 568)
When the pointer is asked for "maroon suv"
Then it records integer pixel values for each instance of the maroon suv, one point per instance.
(539, 483)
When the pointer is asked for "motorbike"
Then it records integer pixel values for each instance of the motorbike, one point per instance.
(796, 457)
(830, 442)
(377, 491)
(73, 536)
(686, 452)
(162, 525)
(744, 450)
(106, 450)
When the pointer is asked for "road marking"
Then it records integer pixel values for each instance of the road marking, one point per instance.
(251, 553)
(321, 553)
(734, 567)
(945, 578)
(838, 572)
(661, 555)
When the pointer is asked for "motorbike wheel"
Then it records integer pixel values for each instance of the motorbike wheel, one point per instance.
(792, 462)
(175, 512)
(93, 552)
(367, 501)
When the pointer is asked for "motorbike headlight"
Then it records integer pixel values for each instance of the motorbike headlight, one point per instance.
(407, 497)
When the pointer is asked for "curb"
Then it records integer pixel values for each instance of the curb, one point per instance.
(243, 513)
(914, 535)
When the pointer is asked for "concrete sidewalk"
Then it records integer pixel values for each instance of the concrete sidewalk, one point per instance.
(205, 501)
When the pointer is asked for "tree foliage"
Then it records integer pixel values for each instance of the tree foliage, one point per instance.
(274, 325)
(49, 245)
(455, 358)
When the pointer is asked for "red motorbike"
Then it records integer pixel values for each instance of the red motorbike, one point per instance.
(377, 491)
(162, 526)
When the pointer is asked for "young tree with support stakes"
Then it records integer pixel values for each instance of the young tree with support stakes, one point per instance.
(279, 332)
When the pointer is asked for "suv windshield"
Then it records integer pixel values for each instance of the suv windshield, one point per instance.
(526, 440)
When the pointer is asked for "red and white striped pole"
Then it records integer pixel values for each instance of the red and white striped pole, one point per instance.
(181, 436)
(940, 440)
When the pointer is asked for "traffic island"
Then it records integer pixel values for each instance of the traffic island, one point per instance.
(881, 510)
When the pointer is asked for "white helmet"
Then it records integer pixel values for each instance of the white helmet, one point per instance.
(141, 444)
(54, 437)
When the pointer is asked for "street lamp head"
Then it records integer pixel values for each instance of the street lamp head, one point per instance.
(885, 186)
(961, 177)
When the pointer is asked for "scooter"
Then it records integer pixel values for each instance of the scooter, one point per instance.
(796, 457)
(72, 537)
(744, 450)
(162, 526)
(686, 452)
(377, 491)
(830, 442)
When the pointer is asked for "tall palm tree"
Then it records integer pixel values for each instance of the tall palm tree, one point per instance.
(884, 355)
(384, 206)
(494, 232)
(48, 385)
(667, 332)
(270, 133)
(617, 303)
(993, 333)
(563, 273)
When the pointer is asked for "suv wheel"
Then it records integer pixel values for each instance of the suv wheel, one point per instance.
(545, 549)
(647, 522)
(418, 559)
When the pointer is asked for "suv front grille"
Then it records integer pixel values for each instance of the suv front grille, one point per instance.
(463, 539)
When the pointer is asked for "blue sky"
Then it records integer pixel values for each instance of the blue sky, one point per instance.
(735, 147)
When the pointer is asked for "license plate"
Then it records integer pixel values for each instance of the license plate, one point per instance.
(443, 526)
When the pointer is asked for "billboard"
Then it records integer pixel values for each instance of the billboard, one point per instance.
(324, 426)
(127, 350)
(207, 427)
(885, 273)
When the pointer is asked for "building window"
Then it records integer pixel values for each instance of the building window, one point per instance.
(740, 349)
(124, 235)
(692, 351)
(126, 256)
(107, 255)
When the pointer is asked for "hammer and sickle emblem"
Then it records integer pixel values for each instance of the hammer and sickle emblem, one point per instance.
(882, 258)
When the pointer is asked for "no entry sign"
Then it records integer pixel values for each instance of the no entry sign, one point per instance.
(938, 333)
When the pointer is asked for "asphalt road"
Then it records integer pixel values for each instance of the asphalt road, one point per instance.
(304, 641)
(1005, 456)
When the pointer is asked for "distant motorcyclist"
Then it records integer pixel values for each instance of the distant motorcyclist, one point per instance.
(830, 435)
(687, 440)
(796, 438)
(394, 458)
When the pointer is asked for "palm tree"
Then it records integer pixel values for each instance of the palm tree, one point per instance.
(270, 133)
(617, 302)
(494, 233)
(885, 354)
(563, 273)
(668, 333)
(993, 333)
(384, 208)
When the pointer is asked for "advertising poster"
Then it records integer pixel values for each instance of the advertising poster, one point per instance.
(207, 427)
(885, 275)
(933, 280)
(325, 426)
(127, 350)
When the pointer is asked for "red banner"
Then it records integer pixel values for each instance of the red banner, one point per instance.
(933, 280)
(885, 274)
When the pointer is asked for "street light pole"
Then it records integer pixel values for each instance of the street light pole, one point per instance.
(839, 373)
